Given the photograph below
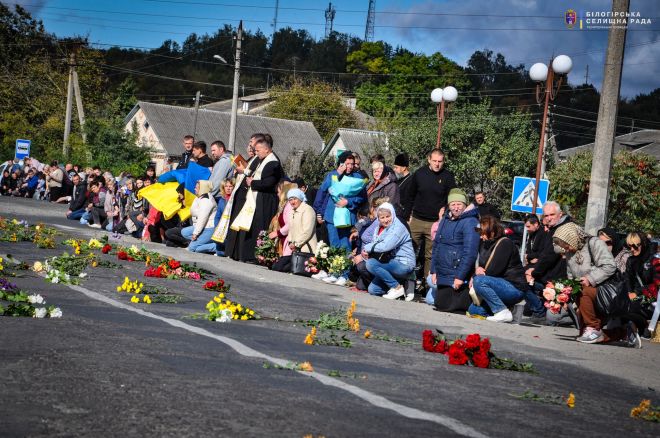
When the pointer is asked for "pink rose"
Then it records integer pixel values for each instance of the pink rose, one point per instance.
(567, 290)
(549, 294)
(555, 307)
(550, 285)
(562, 297)
(547, 304)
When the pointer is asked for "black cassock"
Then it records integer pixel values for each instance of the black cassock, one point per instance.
(240, 245)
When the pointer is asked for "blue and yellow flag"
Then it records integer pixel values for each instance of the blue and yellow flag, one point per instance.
(163, 195)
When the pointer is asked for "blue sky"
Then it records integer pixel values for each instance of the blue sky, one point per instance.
(418, 25)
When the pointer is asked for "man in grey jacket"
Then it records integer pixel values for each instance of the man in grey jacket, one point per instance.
(223, 167)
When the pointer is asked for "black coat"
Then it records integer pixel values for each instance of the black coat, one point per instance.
(551, 266)
(537, 244)
(405, 205)
(240, 245)
(78, 197)
(505, 262)
(185, 159)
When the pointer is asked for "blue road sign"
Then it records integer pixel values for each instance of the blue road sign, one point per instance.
(522, 198)
(22, 148)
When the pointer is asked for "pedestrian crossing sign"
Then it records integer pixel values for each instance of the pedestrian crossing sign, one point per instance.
(522, 198)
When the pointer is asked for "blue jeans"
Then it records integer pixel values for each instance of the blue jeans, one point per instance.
(338, 237)
(203, 242)
(497, 294)
(433, 289)
(76, 215)
(386, 275)
(86, 216)
(534, 301)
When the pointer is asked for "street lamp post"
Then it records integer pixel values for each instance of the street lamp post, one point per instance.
(440, 96)
(539, 73)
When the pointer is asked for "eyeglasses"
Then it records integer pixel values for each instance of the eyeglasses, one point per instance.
(634, 246)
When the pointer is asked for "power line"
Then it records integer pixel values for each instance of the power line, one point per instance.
(595, 112)
(390, 26)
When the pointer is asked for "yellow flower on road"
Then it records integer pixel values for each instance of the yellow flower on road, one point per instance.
(147, 299)
(135, 299)
(367, 334)
(37, 267)
(570, 402)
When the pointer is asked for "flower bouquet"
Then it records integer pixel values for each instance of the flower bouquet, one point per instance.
(223, 310)
(473, 351)
(217, 286)
(22, 304)
(649, 294)
(266, 250)
(558, 294)
(173, 269)
(339, 264)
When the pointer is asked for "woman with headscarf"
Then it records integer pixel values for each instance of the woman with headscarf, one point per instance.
(390, 256)
(382, 184)
(590, 262)
(301, 230)
(202, 212)
(280, 222)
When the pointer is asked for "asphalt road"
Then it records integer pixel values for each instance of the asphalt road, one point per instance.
(112, 368)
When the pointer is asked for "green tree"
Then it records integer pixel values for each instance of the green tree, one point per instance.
(313, 101)
(402, 80)
(634, 203)
(113, 148)
(485, 151)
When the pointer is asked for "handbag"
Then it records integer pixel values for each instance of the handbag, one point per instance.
(476, 299)
(611, 295)
(298, 259)
(383, 257)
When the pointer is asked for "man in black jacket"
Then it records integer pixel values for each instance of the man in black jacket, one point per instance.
(550, 265)
(188, 141)
(78, 198)
(539, 241)
(485, 209)
(199, 154)
(403, 178)
(428, 191)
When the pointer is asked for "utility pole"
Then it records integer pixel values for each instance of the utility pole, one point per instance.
(234, 101)
(197, 97)
(601, 165)
(69, 103)
(79, 105)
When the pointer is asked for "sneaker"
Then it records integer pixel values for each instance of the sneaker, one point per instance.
(632, 339)
(501, 316)
(395, 293)
(320, 275)
(341, 281)
(410, 296)
(94, 225)
(646, 335)
(330, 279)
(591, 336)
(538, 319)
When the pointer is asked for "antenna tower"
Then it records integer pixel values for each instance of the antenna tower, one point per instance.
(329, 19)
(371, 19)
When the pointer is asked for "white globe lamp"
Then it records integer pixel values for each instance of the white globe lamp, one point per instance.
(449, 94)
(562, 64)
(538, 72)
(436, 95)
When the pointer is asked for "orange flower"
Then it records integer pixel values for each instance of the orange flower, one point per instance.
(311, 336)
(306, 366)
(570, 402)
(367, 334)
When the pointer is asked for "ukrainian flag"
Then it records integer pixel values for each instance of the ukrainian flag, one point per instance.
(163, 196)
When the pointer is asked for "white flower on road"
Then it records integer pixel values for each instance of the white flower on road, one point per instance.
(40, 312)
(36, 299)
(225, 316)
(55, 313)
(82, 275)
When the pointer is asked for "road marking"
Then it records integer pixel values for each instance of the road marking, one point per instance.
(242, 349)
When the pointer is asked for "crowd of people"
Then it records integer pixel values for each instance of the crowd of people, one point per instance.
(408, 235)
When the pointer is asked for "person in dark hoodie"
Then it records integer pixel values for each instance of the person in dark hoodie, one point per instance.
(550, 265)
(78, 199)
(454, 252)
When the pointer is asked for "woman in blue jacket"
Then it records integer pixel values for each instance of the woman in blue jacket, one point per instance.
(455, 250)
(390, 256)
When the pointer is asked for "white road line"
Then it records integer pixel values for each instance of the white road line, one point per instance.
(242, 349)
